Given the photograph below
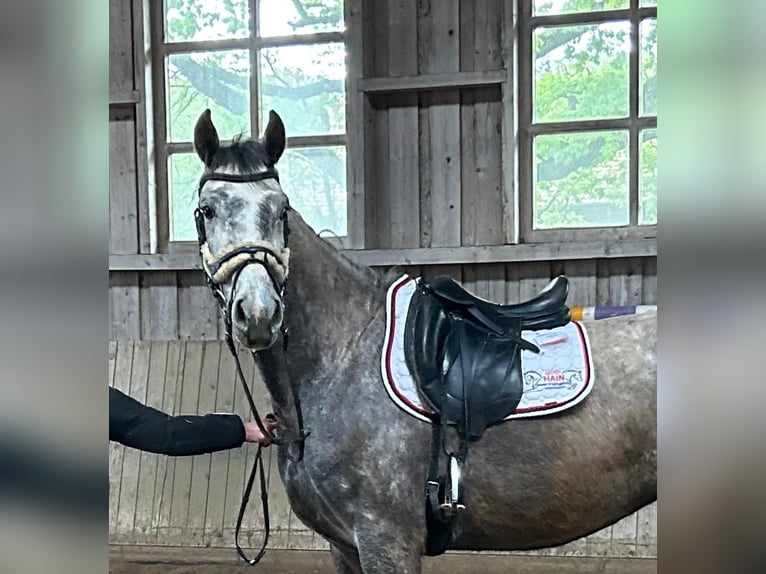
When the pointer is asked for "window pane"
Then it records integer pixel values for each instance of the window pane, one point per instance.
(216, 80)
(206, 20)
(646, 3)
(288, 17)
(581, 72)
(305, 86)
(647, 211)
(543, 7)
(648, 93)
(581, 180)
(184, 171)
(315, 181)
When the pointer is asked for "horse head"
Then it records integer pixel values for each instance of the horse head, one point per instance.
(242, 229)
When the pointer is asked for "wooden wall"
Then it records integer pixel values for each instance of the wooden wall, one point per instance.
(435, 172)
(193, 501)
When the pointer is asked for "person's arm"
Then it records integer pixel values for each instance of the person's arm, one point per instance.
(139, 426)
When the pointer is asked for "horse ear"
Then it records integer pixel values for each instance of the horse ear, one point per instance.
(274, 137)
(206, 138)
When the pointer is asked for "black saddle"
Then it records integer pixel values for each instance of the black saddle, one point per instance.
(465, 352)
(465, 356)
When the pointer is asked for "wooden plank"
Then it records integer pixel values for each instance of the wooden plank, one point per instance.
(439, 53)
(599, 544)
(582, 283)
(425, 255)
(649, 281)
(197, 309)
(618, 282)
(123, 365)
(120, 45)
(124, 98)
(179, 512)
(481, 126)
(624, 536)
(200, 478)
(424, 170)
(124, 309)
(511, 152)
(149, 463)
(646, 538)
(123, 206)
(159, 306)
(131, 466)
(402, 129)
(603, 294)
(533, 277)
(171, 400)
(155, 50)
(112, 361)
(356, 121)
(220, 461)
(481, 178)
(635, 272)
(377, 209)
(512, 277)
(432, 82)
(145, 203)
(403, 180)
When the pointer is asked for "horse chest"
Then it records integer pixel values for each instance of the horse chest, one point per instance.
(319, 499)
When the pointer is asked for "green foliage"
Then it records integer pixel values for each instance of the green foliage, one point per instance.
(581, 73)
(304, 84)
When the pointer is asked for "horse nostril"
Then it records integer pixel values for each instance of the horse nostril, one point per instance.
(239, 312)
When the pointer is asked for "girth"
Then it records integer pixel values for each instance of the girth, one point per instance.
(464, 354)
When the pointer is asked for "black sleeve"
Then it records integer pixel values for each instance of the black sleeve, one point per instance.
(139, 426)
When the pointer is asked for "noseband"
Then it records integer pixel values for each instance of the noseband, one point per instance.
(228, 265)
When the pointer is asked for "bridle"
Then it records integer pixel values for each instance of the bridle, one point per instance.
(229, 264)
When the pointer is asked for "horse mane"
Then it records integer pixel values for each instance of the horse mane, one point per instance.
(243, 153)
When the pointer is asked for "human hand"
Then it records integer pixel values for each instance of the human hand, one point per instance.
(254, 434)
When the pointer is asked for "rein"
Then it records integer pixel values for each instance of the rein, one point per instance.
(217, 271)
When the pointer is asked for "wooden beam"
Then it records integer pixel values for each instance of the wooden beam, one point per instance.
(426, 256)
(124, 98)
(431, 82)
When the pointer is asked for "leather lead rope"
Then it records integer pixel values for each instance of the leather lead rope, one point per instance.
(256, 465)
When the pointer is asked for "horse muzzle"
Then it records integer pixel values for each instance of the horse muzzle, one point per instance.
(256, 317)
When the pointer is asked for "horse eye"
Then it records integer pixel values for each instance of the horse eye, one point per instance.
(207, 212)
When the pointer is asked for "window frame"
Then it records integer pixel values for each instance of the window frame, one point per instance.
(634, 123)
(161, 149)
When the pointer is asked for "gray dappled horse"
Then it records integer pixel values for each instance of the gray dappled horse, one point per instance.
(530, 483)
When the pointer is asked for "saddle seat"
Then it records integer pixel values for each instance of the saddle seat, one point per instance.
(547, 307)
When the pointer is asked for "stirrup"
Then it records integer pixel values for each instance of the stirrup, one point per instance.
(453, 497)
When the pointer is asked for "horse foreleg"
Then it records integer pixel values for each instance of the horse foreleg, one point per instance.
(385, 551)
(346, 561)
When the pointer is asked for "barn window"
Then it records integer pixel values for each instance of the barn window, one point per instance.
(241, 58)
(587, 119)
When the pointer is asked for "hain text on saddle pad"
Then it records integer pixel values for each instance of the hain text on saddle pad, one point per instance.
(556, 379)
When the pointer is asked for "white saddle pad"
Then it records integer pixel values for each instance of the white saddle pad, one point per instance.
(556, 379)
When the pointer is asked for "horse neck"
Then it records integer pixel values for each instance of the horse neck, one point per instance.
(328, 302)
